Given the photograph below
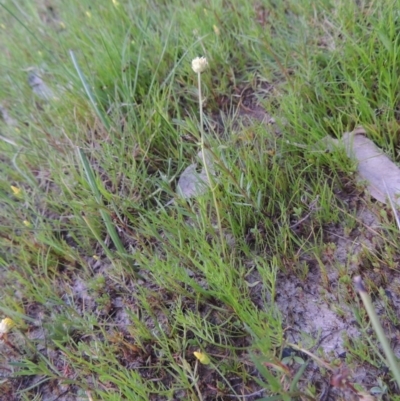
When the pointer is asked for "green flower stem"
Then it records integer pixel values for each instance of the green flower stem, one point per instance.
(209, 176)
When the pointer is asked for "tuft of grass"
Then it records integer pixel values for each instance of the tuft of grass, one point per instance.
(113, 288)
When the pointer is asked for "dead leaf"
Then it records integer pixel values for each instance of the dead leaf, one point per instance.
(373, 166)
(193, 183)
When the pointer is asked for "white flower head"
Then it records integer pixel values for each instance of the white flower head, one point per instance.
(199, 64)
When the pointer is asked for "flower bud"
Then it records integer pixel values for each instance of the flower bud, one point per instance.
(202, 357)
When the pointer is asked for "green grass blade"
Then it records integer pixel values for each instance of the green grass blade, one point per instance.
(106, 217)
(89, 93)
(390, 356)
(297, 377)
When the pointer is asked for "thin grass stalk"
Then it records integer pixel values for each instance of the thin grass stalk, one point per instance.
(209, 177)
(390, 357)
(89, 93)
(43, 46)
(396, 215)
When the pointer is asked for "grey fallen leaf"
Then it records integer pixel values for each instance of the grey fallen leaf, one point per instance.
(192, 183)
(39, 87)
(373, 166)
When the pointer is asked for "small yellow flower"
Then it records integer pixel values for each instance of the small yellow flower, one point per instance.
(202, 357)
(199, 64)
(115, 2)
(62, 24)
(16, 190)
(88, 14)
(216, 30)
(95, 257)
(27, 223)
(6, 325)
